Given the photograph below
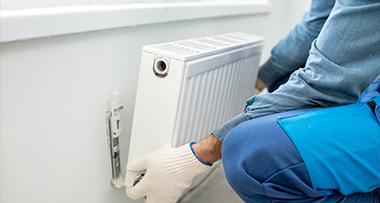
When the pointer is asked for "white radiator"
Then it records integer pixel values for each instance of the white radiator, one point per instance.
(187, 88)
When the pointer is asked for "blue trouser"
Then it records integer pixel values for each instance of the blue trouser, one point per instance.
(263, 165)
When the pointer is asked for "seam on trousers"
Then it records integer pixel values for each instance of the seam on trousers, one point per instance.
(291, 166)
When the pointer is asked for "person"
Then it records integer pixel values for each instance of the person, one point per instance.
(314, 138)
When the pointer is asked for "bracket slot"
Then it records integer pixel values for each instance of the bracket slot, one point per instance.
(113, 118)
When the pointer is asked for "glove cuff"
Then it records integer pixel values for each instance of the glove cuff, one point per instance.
(196, 156)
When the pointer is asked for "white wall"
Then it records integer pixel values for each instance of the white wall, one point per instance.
(54, 93)
(27, 4)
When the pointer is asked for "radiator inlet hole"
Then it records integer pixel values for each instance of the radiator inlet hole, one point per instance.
(161, 68)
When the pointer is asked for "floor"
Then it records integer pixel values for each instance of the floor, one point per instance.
(212, 188)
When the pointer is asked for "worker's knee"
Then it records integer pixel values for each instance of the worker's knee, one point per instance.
(238, 168)
(252, 153)
(250, 156)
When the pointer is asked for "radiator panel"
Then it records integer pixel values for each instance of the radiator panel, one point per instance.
(187, 88)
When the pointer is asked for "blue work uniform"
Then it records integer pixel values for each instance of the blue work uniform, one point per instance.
(296, 156)
(261, 157)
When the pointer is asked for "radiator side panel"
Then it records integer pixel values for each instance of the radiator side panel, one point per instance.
(156, 107)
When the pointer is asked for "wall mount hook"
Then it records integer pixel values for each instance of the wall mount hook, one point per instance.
(113, 118)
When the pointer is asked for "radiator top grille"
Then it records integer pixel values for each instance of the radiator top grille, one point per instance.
(191, 49)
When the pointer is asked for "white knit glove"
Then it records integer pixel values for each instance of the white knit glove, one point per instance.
(169, 171)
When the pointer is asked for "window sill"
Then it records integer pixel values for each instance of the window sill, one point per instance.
(45, 22)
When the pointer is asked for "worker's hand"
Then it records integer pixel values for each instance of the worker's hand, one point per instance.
(260, 85)
(169, 171)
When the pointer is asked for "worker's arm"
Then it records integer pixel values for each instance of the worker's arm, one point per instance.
(292, 51)
(343, 61)
(209, 149)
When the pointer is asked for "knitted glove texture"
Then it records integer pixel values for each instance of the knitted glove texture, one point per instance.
(169, 171)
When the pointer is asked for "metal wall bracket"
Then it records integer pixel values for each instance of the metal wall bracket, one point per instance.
(113, 117)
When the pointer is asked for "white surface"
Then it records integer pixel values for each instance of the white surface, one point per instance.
(191, 49)
(22, 4)
(54, 93)
(46, 22)
(147, 128)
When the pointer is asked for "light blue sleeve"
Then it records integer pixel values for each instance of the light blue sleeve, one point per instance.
(343, 61)
(292, 51)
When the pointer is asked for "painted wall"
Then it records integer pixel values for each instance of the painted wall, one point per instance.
(22, 4)
(54, 93)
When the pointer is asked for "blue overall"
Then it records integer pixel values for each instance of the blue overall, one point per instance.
(340, 146)
(310, 155)
(332, 159)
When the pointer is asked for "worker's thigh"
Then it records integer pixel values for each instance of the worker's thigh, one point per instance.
(263, 165)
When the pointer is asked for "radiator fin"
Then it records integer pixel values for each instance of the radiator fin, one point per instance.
(209, 99)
